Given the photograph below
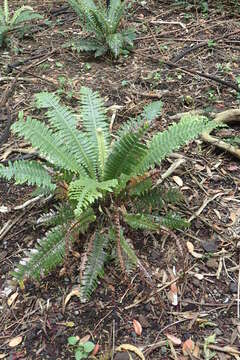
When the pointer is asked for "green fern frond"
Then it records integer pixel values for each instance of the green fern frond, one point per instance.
(94, 118)
(95, 267)
(129, 253)
(152, 111)
(155, 198)
(126, 153)
(86, 191)
(30, 172)
(142, 222)
(140, 188)
(47, 255)
(115, 14)
(164, 143)
(174, 221)
(2, 17)
(115, 43)
(6, 11)
(128, 35)
(64, 122)
(43, 138)
(84, 44)
(24, 14)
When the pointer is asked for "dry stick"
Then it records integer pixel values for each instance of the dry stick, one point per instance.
(118, 238)
(238, 292)
(189, 71)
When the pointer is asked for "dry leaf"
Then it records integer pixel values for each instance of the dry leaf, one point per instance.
(84, 339)
(190, 248)
(188, 347)
(137, 327)
(128, 347)
(69, 324)
(15, 341)
(74, 292)
(173, 294)
(178, 180)
(96, 349)
(196, 351)
(12, 298)
(2, 356)
(173, 339)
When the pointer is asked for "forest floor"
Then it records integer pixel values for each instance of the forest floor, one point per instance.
(198, 40)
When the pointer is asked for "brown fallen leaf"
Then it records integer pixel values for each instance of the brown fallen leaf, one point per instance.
(188, 347)
(128, 347)
(15, 341)
(191, 250)
(74, 292)
(96, 349)
(84, 339)
(12, 298)
(175, 340)
(137, 327)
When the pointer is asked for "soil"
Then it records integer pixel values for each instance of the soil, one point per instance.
(194, 36)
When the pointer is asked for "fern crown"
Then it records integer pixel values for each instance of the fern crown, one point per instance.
(104, 25)
(83, 168)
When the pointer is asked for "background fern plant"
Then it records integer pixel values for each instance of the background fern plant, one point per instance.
(103, 182)
(103, 24)
(16, 21)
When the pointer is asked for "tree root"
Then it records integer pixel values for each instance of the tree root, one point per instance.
(225, 117)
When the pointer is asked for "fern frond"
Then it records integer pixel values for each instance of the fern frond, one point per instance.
(155, 198)
(94, 118)
(64, 122)
(129, 253)
(126, 152)
(86, 191)
(24, 14)
(128, 35)
(115, 43)
(115, 13)
(43, 138)
(154, 223)
(142, 222)
(174, 221)
(94, 267)
(6, 11)
(30, 172)
(164, 143)
(85, 45)
(140, 188)
(47, 255)
(152, 111)
(2, 17)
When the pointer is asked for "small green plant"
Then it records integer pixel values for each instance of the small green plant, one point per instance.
(10, 24)
(97, 180)
(82, 350)
(103, 23)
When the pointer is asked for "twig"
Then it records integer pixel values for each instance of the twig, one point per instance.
(205, 203)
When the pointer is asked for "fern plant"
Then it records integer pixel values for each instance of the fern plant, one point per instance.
(16, 21)
(95, 180)
(103, 23)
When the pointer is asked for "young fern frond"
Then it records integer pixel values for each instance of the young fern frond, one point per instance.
(50, 147)
(86, 191)
(173, 221)
(178, 134)
(30, 172)
(115, 14)
(64, 122)
(155, 198)
(126, 152)
(94, 267)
